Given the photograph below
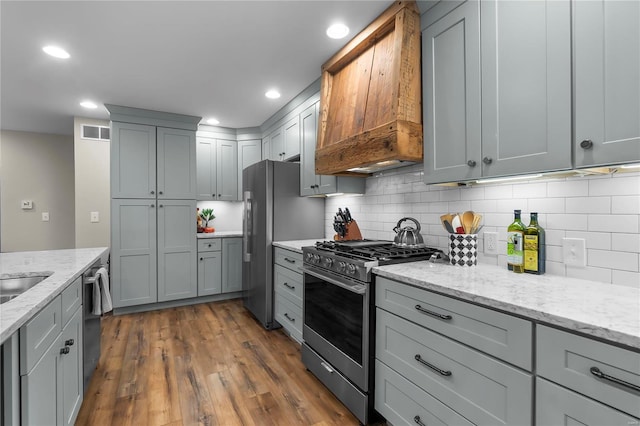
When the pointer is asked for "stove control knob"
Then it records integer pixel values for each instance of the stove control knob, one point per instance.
(351, 269)
(309, 257)
(328, 262)
(316, 258)
(342, 266)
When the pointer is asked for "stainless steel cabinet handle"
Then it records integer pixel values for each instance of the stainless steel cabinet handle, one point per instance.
(418, 421)
(431, 366)
(433, 314)
(289, 318)
(470, 163)
(290, 287)
(487, 160)
(586, 144)
(599, 374)
(289, 260)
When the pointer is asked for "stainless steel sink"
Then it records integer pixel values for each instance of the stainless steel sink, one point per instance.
(15, 286)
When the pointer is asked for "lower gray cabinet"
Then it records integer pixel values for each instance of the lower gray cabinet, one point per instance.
(72, 369)
(287, 286)
(219, 266)
(231, 265)
(209, 273)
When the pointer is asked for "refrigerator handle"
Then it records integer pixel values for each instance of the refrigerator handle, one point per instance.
(247, 225)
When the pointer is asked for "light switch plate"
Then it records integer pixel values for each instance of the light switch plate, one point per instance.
(490, 243)
(574, 252)
(45, 216)
(95, 217)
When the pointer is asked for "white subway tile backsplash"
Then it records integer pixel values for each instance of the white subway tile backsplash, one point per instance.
(555, 268)
(554, 236)
(626, 242)
(511, 205)
(625, 278)
(568, 188)
(530, 190)
(472, 193)
(625, 204)
(613, 223)
(554, 253)
(613, 260)
(588, 205)
(594, 240)
(484, 206)
(450, 195)
(430, 197)
(497, 192)
(615, 185)
(547, 205)
(572, 222)
(459, 206)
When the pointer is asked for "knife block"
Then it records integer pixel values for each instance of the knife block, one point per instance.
(353, 233)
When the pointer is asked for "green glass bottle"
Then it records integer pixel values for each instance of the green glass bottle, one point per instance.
(515, 243)
(534, 247)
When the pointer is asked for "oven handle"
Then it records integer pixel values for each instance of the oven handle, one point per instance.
(353, 288)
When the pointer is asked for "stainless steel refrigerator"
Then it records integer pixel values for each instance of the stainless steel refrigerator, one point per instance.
(273, 211)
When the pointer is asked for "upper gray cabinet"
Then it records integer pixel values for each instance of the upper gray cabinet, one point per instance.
(291, 139)
(606, 53)
(497, 94)
(249, 152)
(152, 162)
(217, 169)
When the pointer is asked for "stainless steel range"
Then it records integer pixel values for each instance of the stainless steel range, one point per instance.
(338, 329)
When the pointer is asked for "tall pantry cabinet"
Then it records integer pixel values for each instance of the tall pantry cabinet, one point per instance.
(153, 205)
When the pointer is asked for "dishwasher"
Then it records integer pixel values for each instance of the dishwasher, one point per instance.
(91, 328)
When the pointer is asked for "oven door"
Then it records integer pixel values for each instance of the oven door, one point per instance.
(336, 322)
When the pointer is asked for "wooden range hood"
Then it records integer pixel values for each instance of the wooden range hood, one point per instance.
(371, 98)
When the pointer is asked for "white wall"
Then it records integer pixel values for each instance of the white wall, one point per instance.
(228, 214)
(92, 194)
(604, 210)
(37, 167)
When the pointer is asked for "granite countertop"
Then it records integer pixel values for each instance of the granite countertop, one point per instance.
(219, 234)
(62, 266)
(607, 311)
(295, 245)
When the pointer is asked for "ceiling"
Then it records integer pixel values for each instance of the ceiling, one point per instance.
(203, 58)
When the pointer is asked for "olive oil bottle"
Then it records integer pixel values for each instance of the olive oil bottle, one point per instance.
(534, 247)
(515, 242)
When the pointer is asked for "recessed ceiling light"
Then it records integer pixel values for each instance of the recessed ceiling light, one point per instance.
(56, 52)
(337, 31)
(272, 94)
(213, 121)
(88, 104)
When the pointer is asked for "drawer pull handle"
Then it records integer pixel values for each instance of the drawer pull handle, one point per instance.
(327, 367)
(290, 287)
(289, 260)
(431, 366)
(289, 318)
(433, 314)
(596, 372)
(418, 421)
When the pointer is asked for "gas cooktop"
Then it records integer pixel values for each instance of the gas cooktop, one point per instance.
(382, 251)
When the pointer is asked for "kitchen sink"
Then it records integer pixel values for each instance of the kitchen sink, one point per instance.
(14, 286)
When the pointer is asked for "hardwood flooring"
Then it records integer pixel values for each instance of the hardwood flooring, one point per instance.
(209, 364)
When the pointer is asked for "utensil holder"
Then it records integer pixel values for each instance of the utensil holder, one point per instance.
(463, 249)
(352, 233)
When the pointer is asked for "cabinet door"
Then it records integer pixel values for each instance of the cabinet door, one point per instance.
(276, 141)
(249, 152)
(266, 148)
(606, 53)
(227, 170)
(451, 83)
(41, 389)
(291, 139)
(176, 163)
(133, 252)
(133, 161)
(526, 86)
(308, 177)
(231, 264)
(209, 273)
(72, 369)
(206, 181)
(177, 274)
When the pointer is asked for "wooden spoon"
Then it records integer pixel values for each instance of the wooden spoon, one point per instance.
(446, 220)
(467, 222)
(476, 223)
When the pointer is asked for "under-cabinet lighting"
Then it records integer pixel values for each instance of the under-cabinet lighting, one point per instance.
(335, 194)
(56, 52)
(337, 31)
(631, 166)
(504, 179)
(88, 104)
(272, 94)
(213, 121)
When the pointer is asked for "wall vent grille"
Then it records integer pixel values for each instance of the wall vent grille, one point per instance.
(97, 133)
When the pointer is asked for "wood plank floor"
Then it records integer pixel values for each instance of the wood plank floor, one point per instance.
(209, 364)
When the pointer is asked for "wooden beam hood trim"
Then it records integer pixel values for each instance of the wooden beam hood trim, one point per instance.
(371, 96)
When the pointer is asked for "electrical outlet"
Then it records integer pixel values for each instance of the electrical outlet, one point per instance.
(45, 216)
(491, 243)
(95, 217)
(574, 252)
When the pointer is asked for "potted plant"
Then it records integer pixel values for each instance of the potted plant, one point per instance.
(207, 215)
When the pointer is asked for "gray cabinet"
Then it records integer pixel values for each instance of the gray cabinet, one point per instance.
(133, 252)
(287, 286)
(231, 265)
(291, 139)
(72, 369)
(152, 162)
(177, 274)
(310, 182)
(606, 53)
(217, 169)
(209, 273)
(249, 152)
(497, 94)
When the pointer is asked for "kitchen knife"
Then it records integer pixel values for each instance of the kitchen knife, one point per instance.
(342, 215)
(347, 214)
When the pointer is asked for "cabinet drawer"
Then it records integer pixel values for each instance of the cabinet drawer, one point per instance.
(503, 336)
(71, 300)
(567, 359)
(210, 244)
(39, 333)
(288, 283)
(288, 259)
(289, 316)
(482, 389)
(559, 406)
(402, 402)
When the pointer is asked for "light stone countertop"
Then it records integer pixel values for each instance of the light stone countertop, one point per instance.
(220, 234)
(63, 266)
(607, 311)
(296, 245)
